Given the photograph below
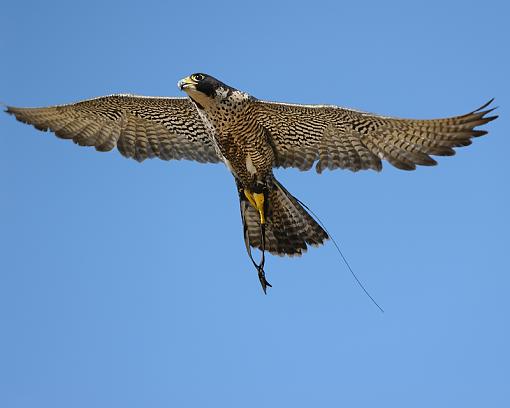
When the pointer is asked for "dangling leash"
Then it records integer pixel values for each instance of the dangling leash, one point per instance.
(245, 203)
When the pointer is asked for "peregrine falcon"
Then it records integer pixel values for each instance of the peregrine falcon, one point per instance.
(218, 123)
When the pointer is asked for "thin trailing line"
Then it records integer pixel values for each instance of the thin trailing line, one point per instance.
(360, 284)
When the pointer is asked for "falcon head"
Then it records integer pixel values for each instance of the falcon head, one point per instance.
(204, 89)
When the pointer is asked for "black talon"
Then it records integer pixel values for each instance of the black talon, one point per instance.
(263, 281)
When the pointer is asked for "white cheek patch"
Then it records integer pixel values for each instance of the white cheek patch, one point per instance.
(199, 97)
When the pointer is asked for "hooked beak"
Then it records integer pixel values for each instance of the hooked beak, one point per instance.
(186, 83)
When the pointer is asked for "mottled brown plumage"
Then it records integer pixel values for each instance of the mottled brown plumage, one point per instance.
(220, 123)
(335, 137)
(140, 127)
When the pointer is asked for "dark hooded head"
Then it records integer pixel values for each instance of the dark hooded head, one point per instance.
(203, 88)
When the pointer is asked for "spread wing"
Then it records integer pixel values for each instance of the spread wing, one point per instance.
(141, 127)
(336, 137)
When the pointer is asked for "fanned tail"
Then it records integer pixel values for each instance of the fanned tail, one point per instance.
(289, 229)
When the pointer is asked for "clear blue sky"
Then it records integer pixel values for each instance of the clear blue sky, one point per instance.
(127, 285)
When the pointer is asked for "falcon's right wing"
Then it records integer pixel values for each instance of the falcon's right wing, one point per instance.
(141, 127)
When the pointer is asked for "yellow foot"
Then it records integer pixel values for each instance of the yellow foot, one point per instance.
(257, 201)
(248, 194)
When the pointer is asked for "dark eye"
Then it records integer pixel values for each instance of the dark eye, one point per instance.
(198, 77)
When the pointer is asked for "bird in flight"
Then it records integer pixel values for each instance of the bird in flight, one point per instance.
(218, 123)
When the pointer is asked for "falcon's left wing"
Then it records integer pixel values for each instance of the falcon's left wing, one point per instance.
(336, 137)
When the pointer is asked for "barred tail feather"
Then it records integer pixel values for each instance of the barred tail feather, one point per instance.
(289, 228)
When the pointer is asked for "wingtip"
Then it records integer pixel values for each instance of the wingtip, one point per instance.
(7, 109)
(485, 105)
(483, 113)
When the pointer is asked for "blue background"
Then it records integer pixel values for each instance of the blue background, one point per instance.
(128, 285)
